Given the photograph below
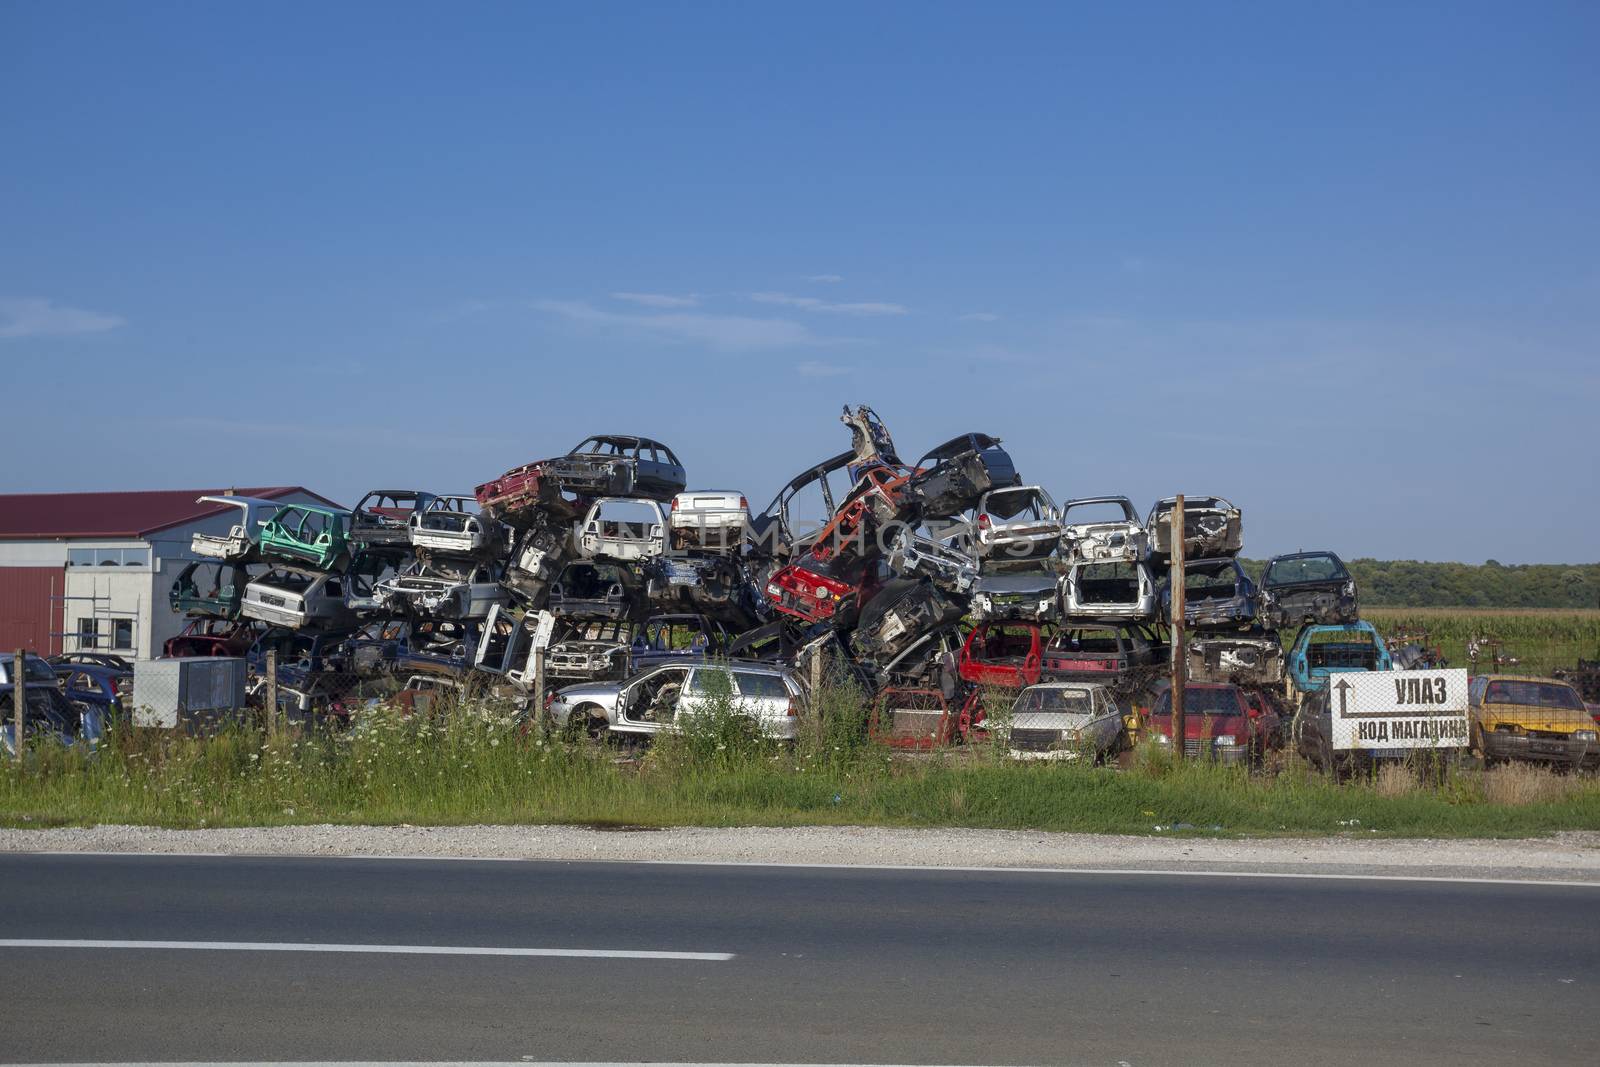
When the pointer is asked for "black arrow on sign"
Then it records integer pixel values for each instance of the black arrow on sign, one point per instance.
(1344, 690)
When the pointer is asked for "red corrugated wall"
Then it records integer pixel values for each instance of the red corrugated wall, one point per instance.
(27, 614)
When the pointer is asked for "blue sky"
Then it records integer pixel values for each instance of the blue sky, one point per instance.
(1336, 262)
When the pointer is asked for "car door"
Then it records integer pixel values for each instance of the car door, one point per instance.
(653, 700)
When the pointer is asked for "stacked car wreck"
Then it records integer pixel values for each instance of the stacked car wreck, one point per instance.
(589, 587)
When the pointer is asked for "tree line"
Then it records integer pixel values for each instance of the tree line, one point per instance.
(1416, 584)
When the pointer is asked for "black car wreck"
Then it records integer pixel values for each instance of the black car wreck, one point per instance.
(1307, 587)
(1217, 594)
(953, 476)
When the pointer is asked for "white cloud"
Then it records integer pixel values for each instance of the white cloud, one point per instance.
(659, 300)
(812, 369)
(978, 316)
(811, 303)
(33, 317)
(825, 279)
(722, 332)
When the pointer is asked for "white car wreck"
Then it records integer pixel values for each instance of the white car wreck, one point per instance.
(1064, 721)
(1102, 529)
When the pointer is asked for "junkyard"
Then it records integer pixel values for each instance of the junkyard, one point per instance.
(570, 534)
(945, 608)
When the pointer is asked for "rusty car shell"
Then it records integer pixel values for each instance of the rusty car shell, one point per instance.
(1212, 527)
(295, 598)
(1102, 540)
(914, 719)
(1109, 590)
(870, 443)
(901, 612)
(1030, 596)
(915, 556)
(1307, 587)
(455, 525)
(778, 532)
(953, 477)
(210, 587)
(1246, 660)
(618, 465)
(1015, 525)
(1120, 655)
(242, 542)
(588, 589)
(625, 529)
(467, 593)
(536, 559)
(713, 520)
(1218, 594)
(382, 517)
(1005, 654)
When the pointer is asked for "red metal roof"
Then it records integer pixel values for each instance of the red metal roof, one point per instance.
(57, 516)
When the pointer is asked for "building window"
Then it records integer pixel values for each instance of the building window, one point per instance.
(88, 632)
(122, 634)
(108, 557)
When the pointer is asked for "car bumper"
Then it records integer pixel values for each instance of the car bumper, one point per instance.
(1499, 745)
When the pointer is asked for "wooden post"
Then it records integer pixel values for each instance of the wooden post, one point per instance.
(538, 683)
(272, 691)
(1180, 664)
(19, 695)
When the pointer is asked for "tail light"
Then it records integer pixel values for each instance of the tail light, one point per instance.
(744, 504)
(674, 503)
(548, 699)
(983, 521)
(793, 711)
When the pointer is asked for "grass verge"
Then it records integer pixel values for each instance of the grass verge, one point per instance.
(480, 768)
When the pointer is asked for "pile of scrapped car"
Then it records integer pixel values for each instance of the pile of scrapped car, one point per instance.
(589, 587)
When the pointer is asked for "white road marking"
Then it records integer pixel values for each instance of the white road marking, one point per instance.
(397, 950)
(1114, 871)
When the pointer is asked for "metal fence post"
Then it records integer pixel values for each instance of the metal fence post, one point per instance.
(272, 690)
(19, 696)
(1180, 664)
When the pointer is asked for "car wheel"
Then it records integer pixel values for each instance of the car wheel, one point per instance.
(587, 722)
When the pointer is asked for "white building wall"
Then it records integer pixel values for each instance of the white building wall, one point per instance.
(124, 592)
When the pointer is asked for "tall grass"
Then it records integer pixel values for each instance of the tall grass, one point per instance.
(473, 766)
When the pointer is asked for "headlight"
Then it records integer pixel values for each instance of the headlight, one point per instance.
(1044, 605)
(1163, 739)
(1583, 735)
(1225, 739)
(981, 601)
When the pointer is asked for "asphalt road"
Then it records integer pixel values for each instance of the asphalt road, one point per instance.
(828, 965)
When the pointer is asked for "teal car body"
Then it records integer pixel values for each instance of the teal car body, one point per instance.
(1321, 651)
(307, 533)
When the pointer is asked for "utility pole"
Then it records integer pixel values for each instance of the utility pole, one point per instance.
(1180, 664)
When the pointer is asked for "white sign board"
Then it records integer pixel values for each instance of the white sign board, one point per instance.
(1399, 709)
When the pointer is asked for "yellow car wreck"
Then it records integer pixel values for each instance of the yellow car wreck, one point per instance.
(1536, 719)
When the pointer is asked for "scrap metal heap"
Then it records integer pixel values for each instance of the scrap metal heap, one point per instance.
(933, 581)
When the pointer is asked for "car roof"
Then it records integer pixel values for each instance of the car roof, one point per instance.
(1313, 554)
(957, 445)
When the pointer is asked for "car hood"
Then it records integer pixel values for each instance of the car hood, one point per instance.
(1050, 720)
(597, 691)
(1197, 725)
(1551, 720)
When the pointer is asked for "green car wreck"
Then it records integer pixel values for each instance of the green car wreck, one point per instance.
(307, 533)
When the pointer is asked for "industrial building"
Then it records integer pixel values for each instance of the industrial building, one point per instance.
(81, 571)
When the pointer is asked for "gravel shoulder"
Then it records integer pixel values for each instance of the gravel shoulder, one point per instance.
(1570, 856)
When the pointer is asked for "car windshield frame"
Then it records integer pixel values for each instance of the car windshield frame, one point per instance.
(1494, 694)
(1341, 572)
